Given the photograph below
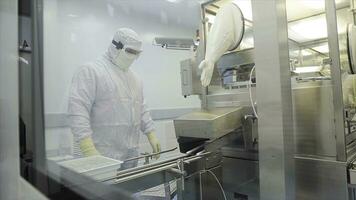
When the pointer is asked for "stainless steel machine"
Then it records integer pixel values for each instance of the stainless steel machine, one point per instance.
(324, 141)
(225, 136)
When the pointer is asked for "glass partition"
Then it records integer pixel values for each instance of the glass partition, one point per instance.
(125, 114)
(309, 55)
(111, 92)
(311, 62)
(345, 27)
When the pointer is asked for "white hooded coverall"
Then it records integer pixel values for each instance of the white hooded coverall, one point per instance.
(107, 104)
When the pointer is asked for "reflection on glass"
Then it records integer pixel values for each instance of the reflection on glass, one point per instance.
(110, 100)
(107, 109)
(125, 107)
(311, 85)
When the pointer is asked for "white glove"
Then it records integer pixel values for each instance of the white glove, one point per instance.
(207, 73)
(155, 144)
(224, 35)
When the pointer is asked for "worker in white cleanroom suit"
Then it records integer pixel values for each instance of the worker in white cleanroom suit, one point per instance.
(107, 110)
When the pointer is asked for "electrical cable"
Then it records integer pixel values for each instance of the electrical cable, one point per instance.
(250, 91)
(217, 180)
(200, 186)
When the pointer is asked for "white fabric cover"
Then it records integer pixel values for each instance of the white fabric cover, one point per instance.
(226, 34)
(107, 104)
(349, 89)
(348, 86)
(352, 45)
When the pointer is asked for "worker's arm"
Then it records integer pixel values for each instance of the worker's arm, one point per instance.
(147, 127)
(87, 147)
(81, 99)
(155, 144)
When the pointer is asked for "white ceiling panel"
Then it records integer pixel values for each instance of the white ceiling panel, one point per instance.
(314, 28)
(309, 29)
(297, 9)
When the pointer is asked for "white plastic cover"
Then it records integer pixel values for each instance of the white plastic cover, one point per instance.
(226, 34)
(349, 89)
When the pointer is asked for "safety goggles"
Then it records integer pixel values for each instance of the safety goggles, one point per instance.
(129, 50)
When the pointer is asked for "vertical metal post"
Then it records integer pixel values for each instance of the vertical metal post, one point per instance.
(204, 98)
(38, 132)
(167, 188)
(204, 90)
(353, 10)
(334, 54)
(274, 98)
(179, 189)
(9, 140)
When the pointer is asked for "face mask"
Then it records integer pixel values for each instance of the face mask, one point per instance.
(124, 59)
(123, 56)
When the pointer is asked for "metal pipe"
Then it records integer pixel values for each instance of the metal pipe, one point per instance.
(135, 169)
(319, 78)
(143, 173)
(145, 168)
(138, 174)
(151, 154)
(152, 166)
(162, 163)
(190, 152)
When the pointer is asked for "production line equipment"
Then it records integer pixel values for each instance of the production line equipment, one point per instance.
(324, 153)
(218, 142)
